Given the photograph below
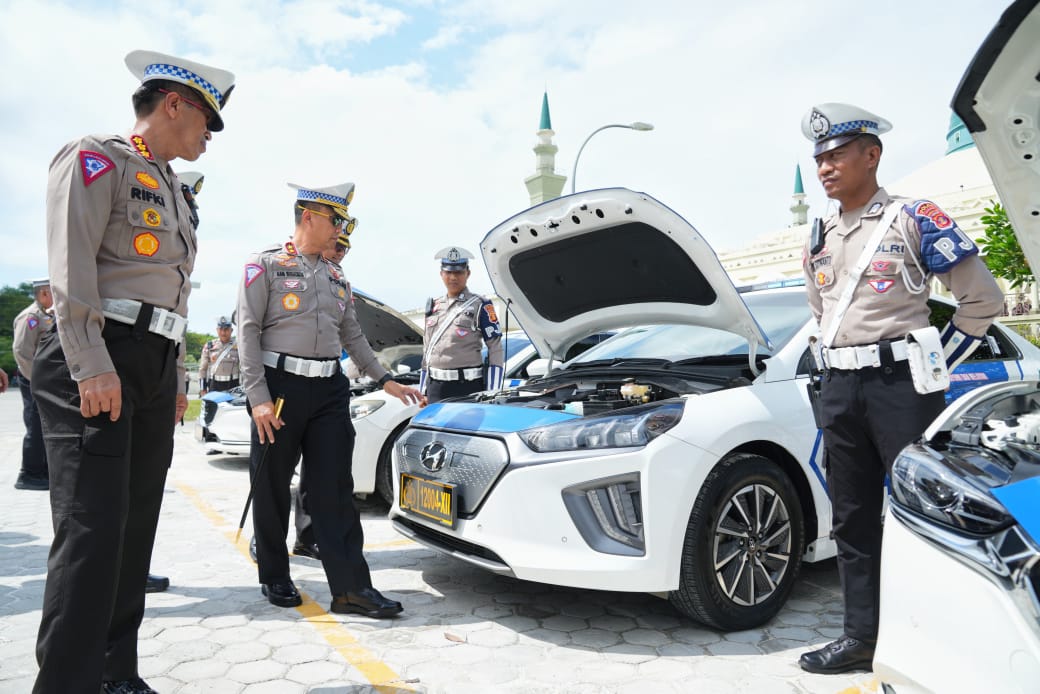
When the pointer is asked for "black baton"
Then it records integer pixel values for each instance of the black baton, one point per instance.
(259, 466)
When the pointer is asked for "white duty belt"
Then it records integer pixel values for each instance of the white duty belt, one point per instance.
(468, 374)
(311, 368)
(224, 379)
(861, 357)
(165, 323)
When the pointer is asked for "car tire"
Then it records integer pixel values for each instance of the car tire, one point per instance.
(385, 467)
(727, 579)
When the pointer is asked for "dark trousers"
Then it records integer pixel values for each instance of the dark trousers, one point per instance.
(106, 486)
(317, 423)
(439, 390)
(301, 514)
(221, 385)
(868, 415)
(34, 456)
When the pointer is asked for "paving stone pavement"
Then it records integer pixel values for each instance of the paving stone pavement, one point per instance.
(463, 630)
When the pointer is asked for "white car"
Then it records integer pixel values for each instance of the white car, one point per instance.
(960, 571)
(680, 459)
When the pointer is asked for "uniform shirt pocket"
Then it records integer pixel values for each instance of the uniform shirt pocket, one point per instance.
(149, 239)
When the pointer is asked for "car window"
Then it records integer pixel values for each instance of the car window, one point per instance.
(780, 313)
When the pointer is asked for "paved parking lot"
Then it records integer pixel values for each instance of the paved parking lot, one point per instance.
(463, 630)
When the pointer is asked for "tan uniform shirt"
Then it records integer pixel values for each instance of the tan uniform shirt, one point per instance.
(29, 325)
(458, 345)
(883, 305)
(219, 360)
(291, 304)
(117, 228)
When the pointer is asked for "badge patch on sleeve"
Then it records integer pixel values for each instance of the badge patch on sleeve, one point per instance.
(146, 244)
(32, 322)
(94, 165)
(881, 286)
(290, 302)
(252, 272)
(147, 180)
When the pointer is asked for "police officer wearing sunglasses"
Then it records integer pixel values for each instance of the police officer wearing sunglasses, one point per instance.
(296, 315)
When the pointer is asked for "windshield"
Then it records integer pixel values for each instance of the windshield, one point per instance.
(781, 314)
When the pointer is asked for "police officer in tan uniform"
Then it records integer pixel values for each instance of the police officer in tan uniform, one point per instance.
(457, 325)
(870, 407)
(121, 246)
(218, 365)
(295, 315)
(35, 320)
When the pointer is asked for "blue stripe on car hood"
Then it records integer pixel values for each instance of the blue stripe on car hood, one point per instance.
(498, 419)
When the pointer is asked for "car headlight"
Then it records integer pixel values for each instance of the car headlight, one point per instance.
(636, 426)
(923, 483)
(363, 408)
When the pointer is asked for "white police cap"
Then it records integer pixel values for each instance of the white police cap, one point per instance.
(40, 283)
(223, 322)
(215, 85)
(192, 179)
(832, 125)
(337, 197)
(453, 258)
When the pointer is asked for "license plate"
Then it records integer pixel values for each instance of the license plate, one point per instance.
(429, 499)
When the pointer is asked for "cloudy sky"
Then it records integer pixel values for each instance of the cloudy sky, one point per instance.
(431, 108)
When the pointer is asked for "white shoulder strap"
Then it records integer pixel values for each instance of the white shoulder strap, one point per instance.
(447, 321)
(852, 281)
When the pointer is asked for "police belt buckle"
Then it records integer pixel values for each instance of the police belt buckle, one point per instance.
(168, 324)
(222, 379)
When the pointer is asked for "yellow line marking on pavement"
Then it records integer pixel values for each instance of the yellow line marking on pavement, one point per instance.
(335, 632)
(866, 688)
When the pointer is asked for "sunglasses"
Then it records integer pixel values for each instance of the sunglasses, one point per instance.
(207, 112)
(345, 224)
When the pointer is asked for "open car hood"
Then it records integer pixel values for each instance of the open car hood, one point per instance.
(999, 101)
(384, 327)
(610, 259)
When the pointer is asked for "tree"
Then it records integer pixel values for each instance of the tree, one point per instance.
(12, 301)
(1003, 253)
(193, 344)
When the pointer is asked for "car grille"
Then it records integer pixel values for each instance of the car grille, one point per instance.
(471, 463)
(209, 411)
(450, 543)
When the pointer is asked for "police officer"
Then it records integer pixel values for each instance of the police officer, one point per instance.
(29, 325)
(218, 365)
(869, 405)
(456, 324)
(121, 246)
(295, 314)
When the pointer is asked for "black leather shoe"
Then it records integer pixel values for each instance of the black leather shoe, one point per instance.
(305, 549)
(39, 484)
(839, 656)
(156, 584)
(134, 686)
(282, 594)
(368, 601)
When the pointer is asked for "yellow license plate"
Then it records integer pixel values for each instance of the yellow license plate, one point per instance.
(429, 499)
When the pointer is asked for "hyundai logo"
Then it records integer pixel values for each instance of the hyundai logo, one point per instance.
(433, 456)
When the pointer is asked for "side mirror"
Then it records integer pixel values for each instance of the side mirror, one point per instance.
(404, 369)
(538, 368)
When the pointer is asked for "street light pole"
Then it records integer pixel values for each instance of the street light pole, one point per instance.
(631, 126)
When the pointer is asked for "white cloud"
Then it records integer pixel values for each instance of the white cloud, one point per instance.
(724, 84)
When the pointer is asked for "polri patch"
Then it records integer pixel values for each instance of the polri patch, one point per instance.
(147, 180)
(94, 165)
(252, 272)
(146, 244)
(881, 286)
(290, 302)
(151, 217)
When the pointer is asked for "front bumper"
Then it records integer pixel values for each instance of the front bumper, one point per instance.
(523, 527)
(948, 624)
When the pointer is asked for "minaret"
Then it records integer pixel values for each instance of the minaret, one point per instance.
(799, 209)
(545, 184)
